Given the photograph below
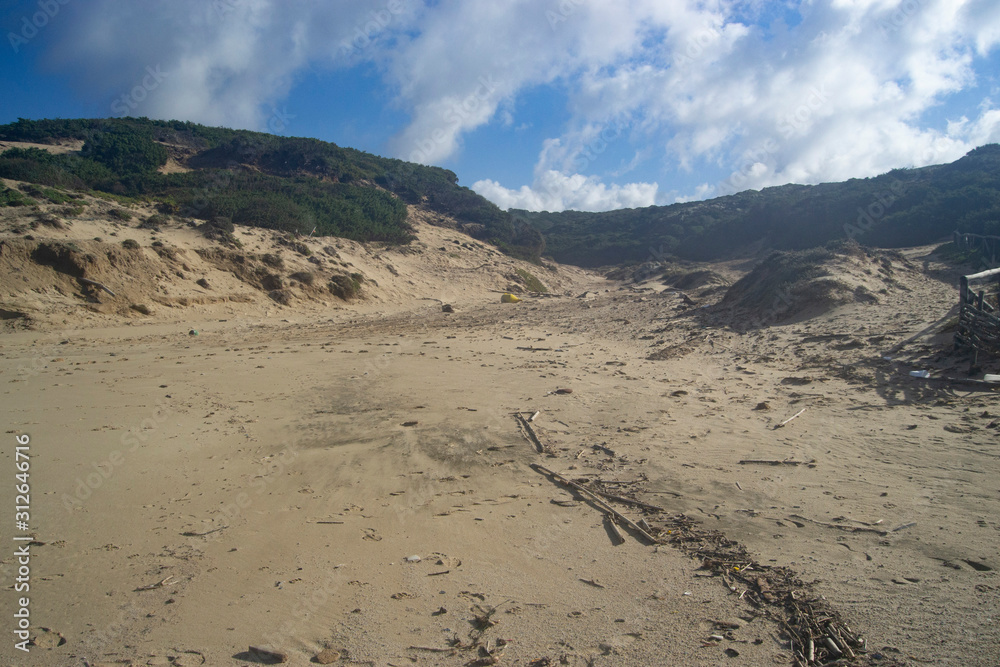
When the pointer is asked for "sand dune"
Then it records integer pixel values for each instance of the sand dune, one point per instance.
(270, 480)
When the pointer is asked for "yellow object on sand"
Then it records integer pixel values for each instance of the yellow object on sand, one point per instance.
(509, 298)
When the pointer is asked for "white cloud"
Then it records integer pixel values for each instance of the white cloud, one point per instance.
(555, 191)
(687, 86)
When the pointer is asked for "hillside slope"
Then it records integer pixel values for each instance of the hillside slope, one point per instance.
(55, 258)
(904, 207)
(291, 184)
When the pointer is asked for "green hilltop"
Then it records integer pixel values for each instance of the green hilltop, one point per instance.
(303, 186)
(293, 184)
(904, 207)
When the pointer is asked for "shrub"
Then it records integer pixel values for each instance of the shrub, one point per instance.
(120, 214)
(531, 282)
(273, 260)
(130, 244)
(10, 197)
(282, 296)
(304, 277)
(272, 282)
(344, 287)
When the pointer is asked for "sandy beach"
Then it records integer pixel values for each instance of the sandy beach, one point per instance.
(354, 477)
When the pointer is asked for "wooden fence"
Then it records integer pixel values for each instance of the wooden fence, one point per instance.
(978, 319)
(988, 246)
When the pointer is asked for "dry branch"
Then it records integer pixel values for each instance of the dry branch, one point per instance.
(598, 501)
(529, 432)
(102, 286)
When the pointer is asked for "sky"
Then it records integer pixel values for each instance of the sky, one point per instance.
(539, 104)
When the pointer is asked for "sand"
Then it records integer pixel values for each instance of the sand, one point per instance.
(269, 480)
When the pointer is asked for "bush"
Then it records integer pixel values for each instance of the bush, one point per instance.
(304, 277)
(272, 282)
(126, 151)
(130, 244)
(120, 214)
(345, 287)
(10, 197)
(273, 260)
(531, 282)
(154, 222)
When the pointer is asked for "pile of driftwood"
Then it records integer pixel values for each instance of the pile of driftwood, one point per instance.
(815, 631)
(816, 634)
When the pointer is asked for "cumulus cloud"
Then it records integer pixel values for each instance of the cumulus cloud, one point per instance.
(755, 94)
(557, 191)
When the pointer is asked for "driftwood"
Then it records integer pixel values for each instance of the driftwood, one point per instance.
(432, 649)
(790, 418)
(771, 462)
(598, 501)
(629, 501)
(850, 529)
(529, 432)
(207, 532)
(102, 286)
(158, 584)
(615, 529)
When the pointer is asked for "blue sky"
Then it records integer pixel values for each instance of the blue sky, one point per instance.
(539, 104)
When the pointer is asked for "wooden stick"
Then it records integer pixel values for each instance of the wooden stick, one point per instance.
(534, 416)
(852, 529)
(530, 432)
(790, 418)
(207, 532)
(597, 499)
(432, 649)
(158, 584)
(771, 462)
(629, 501)
(615, 529)
(88, 281)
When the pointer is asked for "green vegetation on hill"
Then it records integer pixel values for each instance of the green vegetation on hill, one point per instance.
(293, 184)
(904, 207)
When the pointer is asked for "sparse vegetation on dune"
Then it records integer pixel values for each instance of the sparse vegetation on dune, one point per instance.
(902, 208)
(293, 184)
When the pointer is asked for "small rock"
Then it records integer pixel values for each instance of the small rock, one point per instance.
(564, 391)
(327, 656)
(763, 405)
(48, 638)
(410, 423)
(447, 308)
(413, 559)
(193, 332)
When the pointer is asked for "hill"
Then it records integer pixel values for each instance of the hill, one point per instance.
(904, 207)
(294, 184)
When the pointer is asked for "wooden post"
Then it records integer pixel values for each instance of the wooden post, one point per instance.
(963, 293)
